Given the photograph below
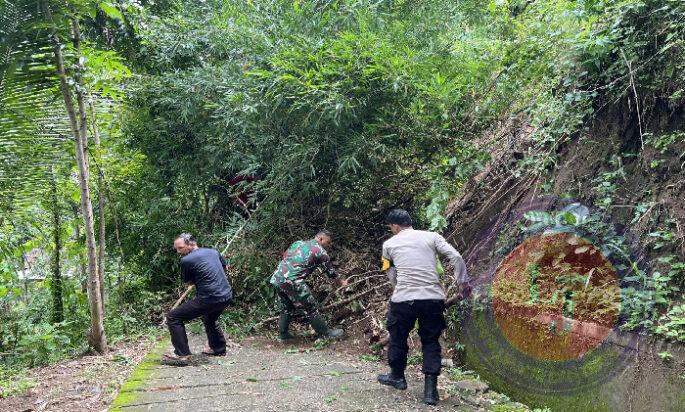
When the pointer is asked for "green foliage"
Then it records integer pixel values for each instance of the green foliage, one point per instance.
(665, 356)
(12, 383)
(369, 357)
(643, 300)
(607, 183)
(415, 359)
(370, 106)
(458, 374)
(676, 268)
(672, 324)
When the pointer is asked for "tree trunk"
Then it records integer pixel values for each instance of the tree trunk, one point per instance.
(56, 286)
(101, 208)
(96, 337)
(83, 271)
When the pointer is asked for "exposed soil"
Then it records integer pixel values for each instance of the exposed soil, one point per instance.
(85, 384)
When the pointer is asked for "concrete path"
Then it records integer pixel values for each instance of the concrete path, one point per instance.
(261, 377)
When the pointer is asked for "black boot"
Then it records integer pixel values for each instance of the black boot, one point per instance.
(283, 324)
(430, 390)
(321, 329)
(394, 379)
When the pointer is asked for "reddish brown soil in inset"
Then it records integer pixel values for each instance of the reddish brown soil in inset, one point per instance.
(556, 296)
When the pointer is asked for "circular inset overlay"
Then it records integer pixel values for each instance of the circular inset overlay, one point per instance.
(545, 318)
(556, 297)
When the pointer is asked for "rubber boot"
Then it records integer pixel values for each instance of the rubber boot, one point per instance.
(394, 379)
(321, 329)
(430, 390)
(283, 324)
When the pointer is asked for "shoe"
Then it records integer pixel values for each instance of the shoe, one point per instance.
(212, 353)
(283, 325)
(430, 390)
(286, 338)
(173, 359)
(320, 327)
(397, 382)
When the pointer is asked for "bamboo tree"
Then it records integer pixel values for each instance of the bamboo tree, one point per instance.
(101, 202)
(56, 284)
(97, 338)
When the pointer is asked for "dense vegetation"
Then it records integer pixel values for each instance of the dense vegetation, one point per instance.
(319, 113)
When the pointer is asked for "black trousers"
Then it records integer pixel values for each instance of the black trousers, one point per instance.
(190, 310)
(401, 320)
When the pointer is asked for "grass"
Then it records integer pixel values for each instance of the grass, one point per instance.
(369, 357)
(127, 393)
(415, 359)
(459, 374)
(15, 385)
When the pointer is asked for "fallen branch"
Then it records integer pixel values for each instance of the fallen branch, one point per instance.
(355, 297)
(330, 306)
(352, 284)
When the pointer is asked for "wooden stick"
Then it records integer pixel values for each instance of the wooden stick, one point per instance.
(183, 296)
(178, 302)
(351, 284)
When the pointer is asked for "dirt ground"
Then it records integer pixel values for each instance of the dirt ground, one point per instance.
(85, 384)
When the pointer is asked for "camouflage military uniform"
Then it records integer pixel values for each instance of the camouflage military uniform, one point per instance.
(299, 261)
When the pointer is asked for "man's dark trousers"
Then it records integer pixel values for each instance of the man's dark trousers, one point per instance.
(401, 320)
(210, 312)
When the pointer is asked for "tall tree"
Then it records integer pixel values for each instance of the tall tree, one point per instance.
(56, 284)
(101, 204)
(79, 128)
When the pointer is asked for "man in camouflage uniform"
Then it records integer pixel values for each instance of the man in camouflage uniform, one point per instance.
(299, 261)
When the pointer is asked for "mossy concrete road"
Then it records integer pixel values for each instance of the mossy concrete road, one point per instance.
(260, 377)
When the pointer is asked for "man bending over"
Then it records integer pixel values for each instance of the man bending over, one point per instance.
(205, 269)
(299, 261)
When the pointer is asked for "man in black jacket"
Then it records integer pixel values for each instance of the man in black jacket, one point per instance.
(205, 269)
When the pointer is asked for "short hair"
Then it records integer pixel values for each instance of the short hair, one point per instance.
(399, 217)
(324, 232)
(188, 239)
